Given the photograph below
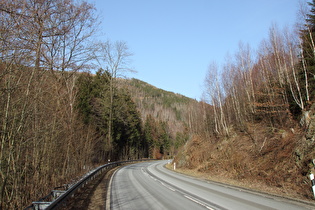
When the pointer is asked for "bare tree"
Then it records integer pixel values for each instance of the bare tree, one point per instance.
(245, 65)
(113, 58)
(216, 96)
(291, 68)
(36, 110)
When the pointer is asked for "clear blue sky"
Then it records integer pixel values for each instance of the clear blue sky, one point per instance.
(174, 41)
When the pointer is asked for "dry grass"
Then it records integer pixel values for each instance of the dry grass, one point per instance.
(265, 159)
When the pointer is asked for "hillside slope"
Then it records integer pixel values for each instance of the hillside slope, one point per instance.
(263, 158)
(160, 104)
(167, 117)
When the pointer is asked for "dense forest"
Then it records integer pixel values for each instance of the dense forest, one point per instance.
(63, 107)
(260, 128)
(164, 113)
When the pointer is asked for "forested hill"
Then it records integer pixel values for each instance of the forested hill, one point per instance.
(160, 104)
(57, 120)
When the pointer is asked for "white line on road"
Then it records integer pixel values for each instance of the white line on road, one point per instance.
(109, 191)
(198, 202)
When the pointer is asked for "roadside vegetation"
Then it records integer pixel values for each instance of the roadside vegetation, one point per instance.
(63, 110)
(259, 128)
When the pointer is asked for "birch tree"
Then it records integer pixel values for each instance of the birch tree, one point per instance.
(215, 96)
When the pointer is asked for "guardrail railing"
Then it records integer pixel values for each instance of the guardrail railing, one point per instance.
(59, 197)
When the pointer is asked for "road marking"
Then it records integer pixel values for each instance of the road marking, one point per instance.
(171, 189)
(168, 187)
(162, 183)
(198, 202)
(143, 171)
(195, 200)
(108, 196)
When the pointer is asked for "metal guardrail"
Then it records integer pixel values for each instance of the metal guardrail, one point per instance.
(59, 197)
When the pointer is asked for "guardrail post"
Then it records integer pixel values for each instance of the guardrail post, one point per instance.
(57, 193)
(313, 183)
(39, 205)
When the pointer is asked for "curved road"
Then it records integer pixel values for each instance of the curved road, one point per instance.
(148, 185)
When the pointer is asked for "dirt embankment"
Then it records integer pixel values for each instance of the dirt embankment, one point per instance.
(276, 161)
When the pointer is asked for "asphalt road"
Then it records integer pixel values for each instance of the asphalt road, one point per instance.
(148, 185)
